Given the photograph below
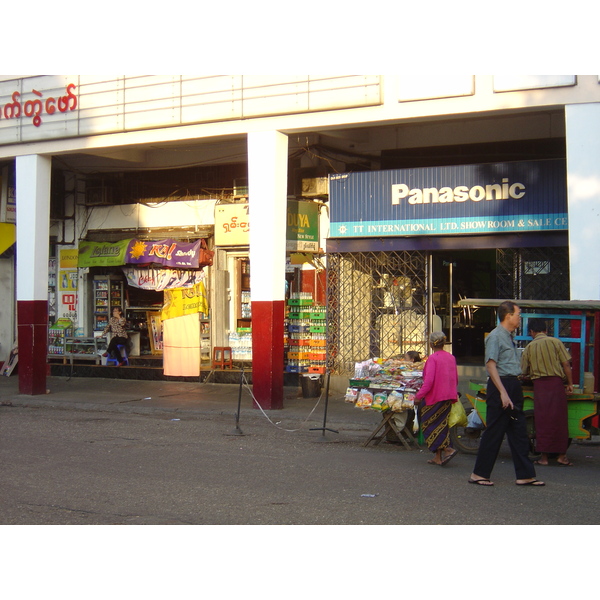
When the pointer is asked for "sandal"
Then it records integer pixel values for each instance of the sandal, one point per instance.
(533, 482)
(432, 462)
(483, 482)
(563, 464)
(446, 460)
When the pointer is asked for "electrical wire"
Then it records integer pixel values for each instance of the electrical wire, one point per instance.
(247, 386)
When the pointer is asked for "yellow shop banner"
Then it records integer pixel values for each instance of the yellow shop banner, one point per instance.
(180, 302)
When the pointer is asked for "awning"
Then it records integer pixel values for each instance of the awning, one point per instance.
(8, 236)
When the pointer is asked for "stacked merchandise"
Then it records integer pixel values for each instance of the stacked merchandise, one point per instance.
(385, 385)
(57, 335)
(241, 344)
(307, 334)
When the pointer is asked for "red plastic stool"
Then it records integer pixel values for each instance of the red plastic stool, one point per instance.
(222, 357)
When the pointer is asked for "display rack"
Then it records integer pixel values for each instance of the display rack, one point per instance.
(205, 352)
(85, 348)
(108, 293)
(57, 336)
(244, 308)
(155, 332)
(307, 335)
(52, 291)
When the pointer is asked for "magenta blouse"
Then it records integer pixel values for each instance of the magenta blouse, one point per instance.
(440, 378)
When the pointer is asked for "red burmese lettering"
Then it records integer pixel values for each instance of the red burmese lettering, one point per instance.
(50, 106)
(33, 108)
(11, 107)
(72, 97)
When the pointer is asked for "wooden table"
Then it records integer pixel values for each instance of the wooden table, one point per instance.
(388, 424)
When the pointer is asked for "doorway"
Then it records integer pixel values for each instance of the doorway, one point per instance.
(457, 275)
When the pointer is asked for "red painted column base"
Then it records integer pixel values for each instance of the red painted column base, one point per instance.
(267, 353)
(32, 338)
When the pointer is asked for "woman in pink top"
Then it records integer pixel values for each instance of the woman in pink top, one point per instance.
(439, 391)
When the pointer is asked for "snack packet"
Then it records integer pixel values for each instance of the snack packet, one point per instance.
(351, 395)
(380, 401)
(365, 399)
(394, 401)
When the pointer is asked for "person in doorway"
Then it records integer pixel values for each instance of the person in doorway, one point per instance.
(116, 325)
(437, 394)
(504, 400)
(545, 361)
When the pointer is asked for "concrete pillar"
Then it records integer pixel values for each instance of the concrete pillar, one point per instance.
(267, 191)
(33, 230)
(583, 189)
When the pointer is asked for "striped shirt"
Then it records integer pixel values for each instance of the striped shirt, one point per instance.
(543, 357)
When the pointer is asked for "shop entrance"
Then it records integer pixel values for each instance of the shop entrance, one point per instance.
(457, 275)
(384, 304)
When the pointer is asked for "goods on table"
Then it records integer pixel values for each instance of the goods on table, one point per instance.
(385, 384)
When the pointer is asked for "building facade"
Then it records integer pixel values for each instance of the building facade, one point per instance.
(406, 221)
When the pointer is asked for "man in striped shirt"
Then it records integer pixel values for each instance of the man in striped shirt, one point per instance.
(545, 361)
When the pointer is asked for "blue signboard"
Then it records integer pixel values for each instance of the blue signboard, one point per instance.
(486, 198)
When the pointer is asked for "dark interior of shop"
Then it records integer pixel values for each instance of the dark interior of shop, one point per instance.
(458, 275)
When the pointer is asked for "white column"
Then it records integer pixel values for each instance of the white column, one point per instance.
(267, 191)
(33, 229)
(267, 186)
(583, 189)
(33, 226)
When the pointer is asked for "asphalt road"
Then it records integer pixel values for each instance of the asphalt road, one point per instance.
(69, 467)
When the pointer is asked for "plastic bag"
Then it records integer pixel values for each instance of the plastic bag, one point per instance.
(365, 399)
(458, 416)
(395, 400)
(474, 421)
(351, 395)
(380, 401)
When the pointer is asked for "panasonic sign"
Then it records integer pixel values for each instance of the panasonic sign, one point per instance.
(516, 196)
(461, 193)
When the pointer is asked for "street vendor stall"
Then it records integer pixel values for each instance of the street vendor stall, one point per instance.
(582, 408)
(389, 387)
(577, 325)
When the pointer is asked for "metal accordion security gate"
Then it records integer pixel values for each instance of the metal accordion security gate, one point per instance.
(377, 306)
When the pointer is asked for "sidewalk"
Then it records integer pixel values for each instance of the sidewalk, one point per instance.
(194, 400)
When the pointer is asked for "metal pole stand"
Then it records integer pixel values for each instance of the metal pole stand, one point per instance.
(237, 430)
(325, 428)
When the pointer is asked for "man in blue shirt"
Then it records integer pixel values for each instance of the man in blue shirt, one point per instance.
(504, 400)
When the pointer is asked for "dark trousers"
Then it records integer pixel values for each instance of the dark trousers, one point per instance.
(112, 349)
(500, 421)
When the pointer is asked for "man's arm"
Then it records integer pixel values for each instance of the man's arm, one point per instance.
(567, 369)
(493, 373)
